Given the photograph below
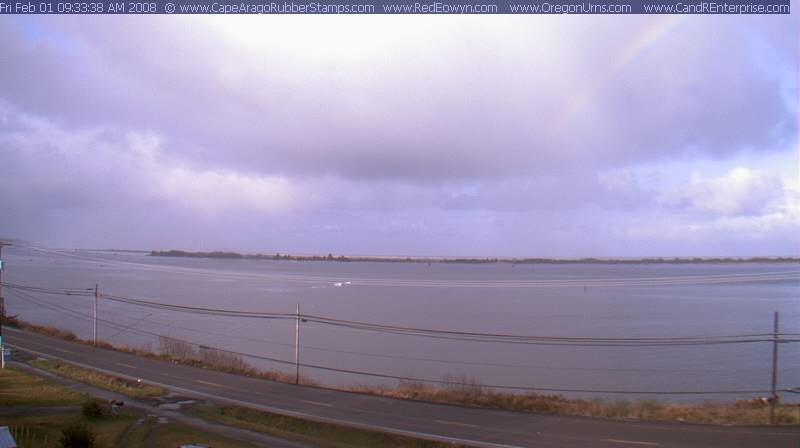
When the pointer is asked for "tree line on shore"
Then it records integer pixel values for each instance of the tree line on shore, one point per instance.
(471, 260)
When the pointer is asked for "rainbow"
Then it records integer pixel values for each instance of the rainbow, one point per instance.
(635, 47)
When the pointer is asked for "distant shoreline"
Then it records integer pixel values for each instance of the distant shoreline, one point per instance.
(469, 260)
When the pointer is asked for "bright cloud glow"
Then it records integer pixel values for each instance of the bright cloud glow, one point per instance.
(741, 191)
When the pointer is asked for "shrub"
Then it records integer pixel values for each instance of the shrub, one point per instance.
(76, 435)
(93, 408)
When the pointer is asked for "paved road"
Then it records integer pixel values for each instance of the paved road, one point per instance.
(479, 427)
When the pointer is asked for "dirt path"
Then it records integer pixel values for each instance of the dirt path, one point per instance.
(122, 441)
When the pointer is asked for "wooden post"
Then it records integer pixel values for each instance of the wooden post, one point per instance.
(773, 399)
(94, 320)
(297, 347)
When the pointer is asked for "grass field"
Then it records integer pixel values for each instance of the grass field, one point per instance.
(37, 424)
(44, 431)
(21, 389)
(130, 429)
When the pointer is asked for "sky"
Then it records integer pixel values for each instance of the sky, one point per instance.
(562, 136)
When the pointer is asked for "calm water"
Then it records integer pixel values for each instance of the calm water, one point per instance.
(552, 300)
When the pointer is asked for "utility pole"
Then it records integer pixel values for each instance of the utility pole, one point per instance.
(94, 321)
(2, 312)
(773, 399)
(297, 346)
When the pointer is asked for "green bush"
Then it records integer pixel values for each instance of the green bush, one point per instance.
(76, 435)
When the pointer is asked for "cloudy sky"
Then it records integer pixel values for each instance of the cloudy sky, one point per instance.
(426, 135)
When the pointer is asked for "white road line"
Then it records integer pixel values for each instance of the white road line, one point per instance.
(63, 351)
(632, 442)
(318, 403)
(209, 383)
(125, 365)
(448, 422)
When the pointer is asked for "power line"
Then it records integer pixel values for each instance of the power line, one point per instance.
(542, 340)
(445, 334)
(433, 360)
(449, 383)
(404, 358)
(452, 383)
(56, 291)
(368, 325)
(197, 310)
(76, 314)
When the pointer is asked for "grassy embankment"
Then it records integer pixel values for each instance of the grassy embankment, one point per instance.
(133, 389)
(467, 391)
(28, 404)
(173, 350)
